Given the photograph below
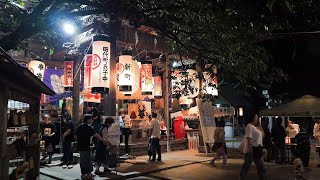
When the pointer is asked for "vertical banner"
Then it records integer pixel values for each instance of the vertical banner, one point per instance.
(146, 80)
(157, 86)
(100, 67)
(207, 122)
(37, 68)
(68, 73)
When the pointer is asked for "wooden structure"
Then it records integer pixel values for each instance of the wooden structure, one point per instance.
(19, 84)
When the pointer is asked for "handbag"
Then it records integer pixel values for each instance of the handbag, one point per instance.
(257, 151)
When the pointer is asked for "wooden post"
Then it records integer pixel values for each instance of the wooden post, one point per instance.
(166, 77)
(109, 103)
(4, 161)
(76, 89)
(35, 109)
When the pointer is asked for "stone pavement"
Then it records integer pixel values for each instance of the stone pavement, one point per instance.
(184, 164)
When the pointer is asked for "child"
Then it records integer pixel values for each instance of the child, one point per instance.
(298, 167)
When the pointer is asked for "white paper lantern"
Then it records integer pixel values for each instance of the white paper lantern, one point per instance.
(100, 67)
(37, 68)
(68, 75)
(210, 81)
(190, 84)
(146, 79)
(176, 83)
(128, 75)
(157, 86)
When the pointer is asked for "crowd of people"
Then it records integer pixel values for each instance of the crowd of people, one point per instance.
(92, 138)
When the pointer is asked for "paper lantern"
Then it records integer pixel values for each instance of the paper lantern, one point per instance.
(87, 72)
(146, 79)
(100, 67)
(37, 68)
(210, 81)
(157, 86)
(176, 78)
(68, 75)
(190, 84)
(128, 75)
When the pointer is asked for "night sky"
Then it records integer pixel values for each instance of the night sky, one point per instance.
(301, 64)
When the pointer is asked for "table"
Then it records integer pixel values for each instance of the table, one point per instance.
(289, 148)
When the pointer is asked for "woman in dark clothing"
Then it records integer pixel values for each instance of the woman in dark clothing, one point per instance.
(303, 146)
(102, 150)
(48, 131)
(267, 142)
(278, 137)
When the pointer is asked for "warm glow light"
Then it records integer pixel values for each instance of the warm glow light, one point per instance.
(157, 86)
(69, 28)
(37, 68)
(240, 111)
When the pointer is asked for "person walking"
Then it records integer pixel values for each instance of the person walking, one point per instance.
(84, 134)
(48, 131)
(220, 144)
(126, 130)
(102, 150)
(303, 146)
(278, 137)
(68, 138)
(155, 137)
(267, 142)
(254, 136)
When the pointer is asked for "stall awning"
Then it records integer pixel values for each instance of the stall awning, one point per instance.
(305, 106)
(14, 75)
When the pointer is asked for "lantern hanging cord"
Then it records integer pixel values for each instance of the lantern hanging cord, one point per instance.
(83, 59)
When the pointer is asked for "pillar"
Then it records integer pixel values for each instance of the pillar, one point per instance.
(4, 161)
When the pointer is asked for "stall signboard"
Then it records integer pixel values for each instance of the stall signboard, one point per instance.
(146, 79)
(140, 110)
(207, 122)
(100, 65)
(128, 75)
(68, 73)
(37, 68)
(223, 111)
(157, 86)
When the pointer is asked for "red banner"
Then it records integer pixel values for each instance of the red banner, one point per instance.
(68, 73)
(146, 83)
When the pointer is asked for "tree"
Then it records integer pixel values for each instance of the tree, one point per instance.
(225, 33)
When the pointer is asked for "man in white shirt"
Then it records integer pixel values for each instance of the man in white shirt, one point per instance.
(155, 137)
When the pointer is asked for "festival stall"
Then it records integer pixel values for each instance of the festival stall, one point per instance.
(20, 93)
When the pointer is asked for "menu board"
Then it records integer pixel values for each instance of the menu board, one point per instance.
(207, 122)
